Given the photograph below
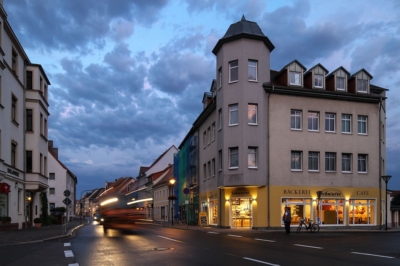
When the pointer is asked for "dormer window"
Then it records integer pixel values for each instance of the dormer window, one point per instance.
(340, 83)
(295, 78)
(318, 81)
(362, 85)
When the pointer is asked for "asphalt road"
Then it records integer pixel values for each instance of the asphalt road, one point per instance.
(145, 244)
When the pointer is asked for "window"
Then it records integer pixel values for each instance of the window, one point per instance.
(346, 123)
(45, 166)
(209, 169)
(52, 206)
(313, 161)
(41, 164)
(233, 71)
(296, 161)
(41, 85)
(213, 131)
(252, 70)
(295, 119)
(14, 62)
(205, 171)
(362, 163)
(52, 191)
(233, 114)
(14, 108)
(313, 121)
(29, 80)
(220, 77)
(318, 81)
(29, 120)
(204, 139)
(330, 161)
(41, 124)
(340, 83)
(252, 157)
(330, 122)
(362, 85)
(13, 154)
(346, 162)
(220, 160)
(213, 167)
(45, 128)
(233, 157)
(52, 176)
(220, 119)
(209, 135)
(295, 78)
(252, 114)
(362, 124)
(29, 160)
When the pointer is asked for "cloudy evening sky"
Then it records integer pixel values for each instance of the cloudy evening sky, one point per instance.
(128, 77)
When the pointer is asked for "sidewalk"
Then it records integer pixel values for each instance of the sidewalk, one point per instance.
(29, 235)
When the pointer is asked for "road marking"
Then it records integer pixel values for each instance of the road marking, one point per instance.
(260, 261)
(368, 254)
(171, 239)
(67, 244)
(266, 240)
(73, 264)
(212, 233)
(68, 253)
(234, 235)
(307, 246)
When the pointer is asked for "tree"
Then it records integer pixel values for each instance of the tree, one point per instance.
(45, 208)
(396, 200)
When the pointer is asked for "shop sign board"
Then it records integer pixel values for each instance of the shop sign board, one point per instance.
(240, 192)
(203, 219)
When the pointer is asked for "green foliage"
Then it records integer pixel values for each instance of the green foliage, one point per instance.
(37, 220)
(45, 208)
(5, 218)
(396, 200)
(59, 209)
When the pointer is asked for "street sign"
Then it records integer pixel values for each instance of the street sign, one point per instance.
(67, 201)
(67, 193)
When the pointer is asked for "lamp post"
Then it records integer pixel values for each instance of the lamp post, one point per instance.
(318, 206)
(386, 179)
(172, 197)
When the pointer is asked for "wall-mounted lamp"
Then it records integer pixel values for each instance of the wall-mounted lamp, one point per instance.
(227, 199)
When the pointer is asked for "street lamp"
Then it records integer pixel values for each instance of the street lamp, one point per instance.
(318, 206)
(386, 179)
(172, 197)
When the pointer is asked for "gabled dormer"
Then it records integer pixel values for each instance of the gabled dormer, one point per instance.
(209, 96)
(359, 82)
(291, 74)
(314, 78)
(337, 80)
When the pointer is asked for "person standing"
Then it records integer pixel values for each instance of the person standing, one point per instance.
(287, 218)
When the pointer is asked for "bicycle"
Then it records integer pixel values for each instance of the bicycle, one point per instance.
(313, 227)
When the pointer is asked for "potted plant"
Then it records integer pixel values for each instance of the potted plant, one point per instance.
(38, 222)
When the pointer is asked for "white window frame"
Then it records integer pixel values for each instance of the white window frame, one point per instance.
(362, 125)
(209, 169)
(295, 119)
(346, 162)
(213, 131)
(252, 160)
(313, 161)
(52, 191)
(296, 156)
(339, 81)
(204, 139)
(313, 121)
(213, 167)
(362, 163)
(252, 67)
(330, 121)
(220, 78)
(318, 81)
(209, 136)
(362, 85)
(52, 176)
(220, 160)
(233, 158)
(252, 110)
(346, 121)
(330, 162)
(233, 69)
(220, 119)
(293, 76)
(233, 109)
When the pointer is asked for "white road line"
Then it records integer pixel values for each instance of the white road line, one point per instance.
(68, 253)
(67, 244)
(368, 254)
(266, 240)
(307, 246)
(260, 261)
(73, 264)
(171, 239)
(212, 233)
(234, 235)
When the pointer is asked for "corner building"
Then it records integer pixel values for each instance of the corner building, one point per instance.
(269, 139)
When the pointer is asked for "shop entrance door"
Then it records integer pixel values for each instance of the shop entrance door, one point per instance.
(241, 212)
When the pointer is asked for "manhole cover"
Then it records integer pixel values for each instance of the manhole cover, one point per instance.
(161, 249)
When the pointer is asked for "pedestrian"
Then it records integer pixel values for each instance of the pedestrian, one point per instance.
(287, 218)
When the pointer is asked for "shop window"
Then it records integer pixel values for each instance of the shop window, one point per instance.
(332, 211)
(361, 212)
(299, 208)
(241, 212)
(213, 212)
